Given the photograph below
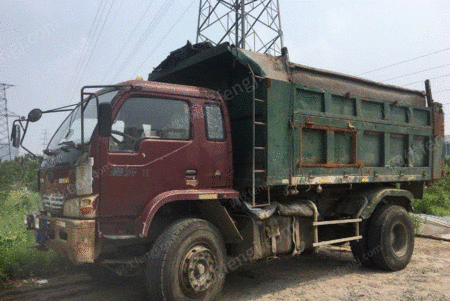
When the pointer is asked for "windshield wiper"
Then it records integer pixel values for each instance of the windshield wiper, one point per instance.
(67, 144)
(49, 152)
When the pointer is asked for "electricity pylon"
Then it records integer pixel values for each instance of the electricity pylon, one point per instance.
(6, 151)
(249, 24)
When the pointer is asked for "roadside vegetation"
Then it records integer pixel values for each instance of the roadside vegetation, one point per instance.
(436, 200)
(19, 196)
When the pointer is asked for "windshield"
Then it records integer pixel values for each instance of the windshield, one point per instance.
(69, 133)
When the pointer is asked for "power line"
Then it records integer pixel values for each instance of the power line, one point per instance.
(441, 91)
(153, 23)
(164, 37)
(418, 72)
(429, 79)
(130, 36)
(83, 56)
(95, 45)
(406, 61)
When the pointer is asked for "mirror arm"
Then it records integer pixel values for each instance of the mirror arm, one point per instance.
(61, 109)
(25, 129)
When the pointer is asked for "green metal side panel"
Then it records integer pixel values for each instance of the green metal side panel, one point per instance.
(322, 127)
(323, 137)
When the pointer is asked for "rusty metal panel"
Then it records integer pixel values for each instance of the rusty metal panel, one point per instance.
(438, 120)
(74, 238)
(333, 81)
(313, 146)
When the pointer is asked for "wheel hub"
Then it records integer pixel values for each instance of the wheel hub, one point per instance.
(198, 269)
(399, 239)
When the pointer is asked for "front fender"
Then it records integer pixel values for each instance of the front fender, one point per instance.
(208, 200)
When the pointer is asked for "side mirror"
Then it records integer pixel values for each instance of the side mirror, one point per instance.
(15, 136)
(104, 119)
(34, 115)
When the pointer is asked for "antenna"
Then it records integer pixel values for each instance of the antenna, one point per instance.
(249, 24)
(5, 143)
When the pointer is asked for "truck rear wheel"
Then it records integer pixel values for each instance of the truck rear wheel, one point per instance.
(391, 238)
(360, 247)
(187, 262)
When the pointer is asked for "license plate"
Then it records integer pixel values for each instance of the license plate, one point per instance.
(60, 223)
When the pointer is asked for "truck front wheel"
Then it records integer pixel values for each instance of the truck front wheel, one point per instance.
(187, 262)
(391, 238)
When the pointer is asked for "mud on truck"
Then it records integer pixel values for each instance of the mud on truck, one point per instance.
(226, 156)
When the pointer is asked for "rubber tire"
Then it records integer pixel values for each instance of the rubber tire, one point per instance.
(360, 248)
(391, 228)
(165, 260)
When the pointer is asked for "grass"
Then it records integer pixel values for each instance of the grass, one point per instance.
(18, 260)
(436, 199)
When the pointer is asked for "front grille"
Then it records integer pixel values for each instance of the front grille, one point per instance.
(52, 202)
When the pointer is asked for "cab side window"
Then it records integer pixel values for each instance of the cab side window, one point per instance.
(215, 130)
(153, 118)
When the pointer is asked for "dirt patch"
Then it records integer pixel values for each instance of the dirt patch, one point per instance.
(329, 274)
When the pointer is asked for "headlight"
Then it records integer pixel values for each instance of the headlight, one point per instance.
(80, 207)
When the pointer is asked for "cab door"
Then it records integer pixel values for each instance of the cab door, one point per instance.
(152, 149)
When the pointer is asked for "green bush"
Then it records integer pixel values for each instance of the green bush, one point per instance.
(436, 199)
(18, 196)
(17, 257)
(18, 173)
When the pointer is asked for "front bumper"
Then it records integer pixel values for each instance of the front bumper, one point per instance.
(71, 237)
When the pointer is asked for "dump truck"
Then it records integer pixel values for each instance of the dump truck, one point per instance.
(224, 157)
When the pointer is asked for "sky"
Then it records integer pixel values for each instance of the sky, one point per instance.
(49, 49)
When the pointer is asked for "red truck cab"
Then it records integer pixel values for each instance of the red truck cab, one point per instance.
(168, 143)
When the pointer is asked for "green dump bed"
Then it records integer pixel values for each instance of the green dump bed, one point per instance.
(296, 125)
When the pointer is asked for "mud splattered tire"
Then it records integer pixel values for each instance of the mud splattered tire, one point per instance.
(360, 248)
(391, 238)
(187, 262)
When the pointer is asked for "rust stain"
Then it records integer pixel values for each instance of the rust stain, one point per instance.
(358, 164)
(309, 124)
(268, 82)
(329, 128)
(438, 120)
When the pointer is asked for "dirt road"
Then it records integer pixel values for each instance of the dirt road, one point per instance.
(330, 274)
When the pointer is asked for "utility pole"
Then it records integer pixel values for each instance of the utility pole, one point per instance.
(5, 143)
(249, 24)
(45, 138)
